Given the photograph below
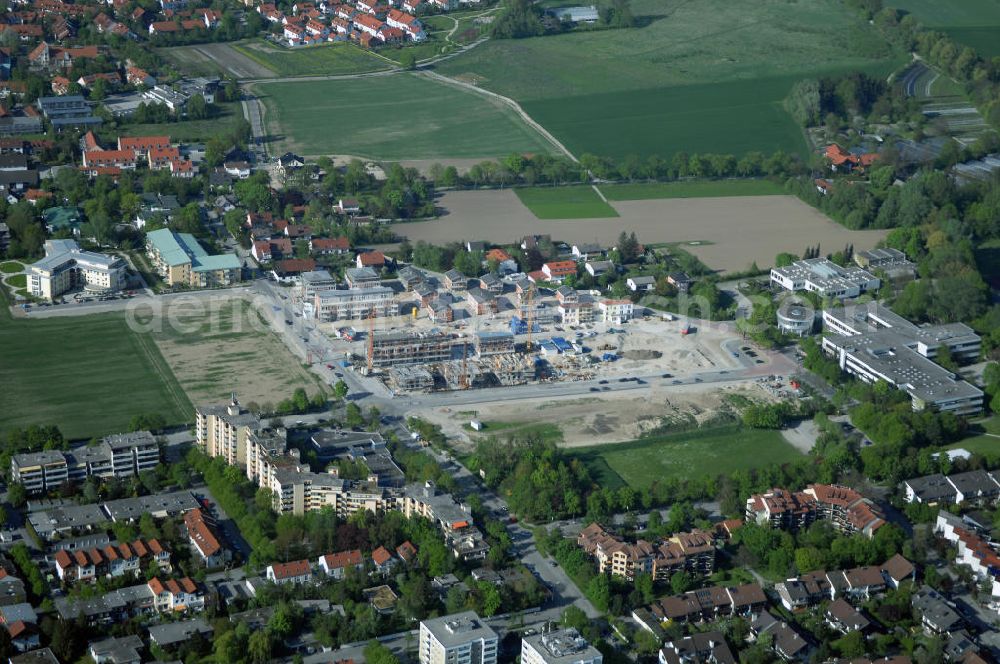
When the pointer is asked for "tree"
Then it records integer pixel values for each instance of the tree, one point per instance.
(376, 653)
(340, 390)
(353, 417)
(407, 60)
(517, 19)
(197, 108)
(260, 646)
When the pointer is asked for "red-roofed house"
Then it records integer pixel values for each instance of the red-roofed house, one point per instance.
(124, 159)
(143, 144)
(159, 158)
(368, 24)
(297, 571)
(176, 595)
(407, 23)
(60, 85)
(406, 551)
(137, 77)
(840, 159)
(372, 259)
(558, 270)
(384, 561)
(337, 564)
(23, 636)
(201, 533)
(411, 6)
(329, 245)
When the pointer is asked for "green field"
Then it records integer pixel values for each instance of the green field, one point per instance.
(191, 130)
(698, 75)
(89, 375)
(11, 267)
(580, 202)
(402, 116)
(975, 23)
(326, 59)
(18, 281)
(715, 451)
(694, 189)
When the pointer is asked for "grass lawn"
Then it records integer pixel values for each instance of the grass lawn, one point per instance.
(332, 59)
(983, 444)
(706, 76)
(580, 202)
(402, 116)
(986, 41)
(18, 281)
(694, 189)
(89, 375)
(11, 267)
(714, 451)
(190, 130)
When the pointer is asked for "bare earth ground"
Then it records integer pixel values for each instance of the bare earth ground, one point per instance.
(218, 56)
(593, 420)
(214, 353)
(733, 231)
(624, 416)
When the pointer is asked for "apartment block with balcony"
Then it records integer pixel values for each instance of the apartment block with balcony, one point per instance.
(460, 638)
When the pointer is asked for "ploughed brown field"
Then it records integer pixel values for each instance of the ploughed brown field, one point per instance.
(729, 233)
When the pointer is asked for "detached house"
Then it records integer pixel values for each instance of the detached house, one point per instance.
(384, 560)
(337, 564)
(558, 270)
(297, 571)
(329, 245)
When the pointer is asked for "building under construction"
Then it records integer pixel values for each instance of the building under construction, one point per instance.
(509, 368)
(541, 313)
(391, 349)
(494, 343)
(410, 379)
(491, 371)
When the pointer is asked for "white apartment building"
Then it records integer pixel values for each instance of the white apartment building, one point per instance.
(873, 343)
(66, 267)
(223, 430)
(353, 304)
(117, 456)
(616, 311)
(564, 646)
(825, 278)
(461, 638)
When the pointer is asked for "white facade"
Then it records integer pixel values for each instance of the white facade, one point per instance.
(354, 304)
(564, 646)
(66, 266)
(824, 277)
(616, 311)
(461, 638)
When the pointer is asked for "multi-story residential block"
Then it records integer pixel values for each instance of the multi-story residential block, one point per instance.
(691, 552)
(825, 278)
(180, 260)
(39, 472)
(564, 646)
(616, 311)
(873, 343)
(353, 304)
(66, 267)
(461, 638)
(201, 530)
(972, 550)
(222, 430)
(846, 509)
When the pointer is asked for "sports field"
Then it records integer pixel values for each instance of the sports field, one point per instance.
(565, 203)
(693, 189)
(89, 375)
(699, 75)
(697, 453)
(975, 23)
(403, 116)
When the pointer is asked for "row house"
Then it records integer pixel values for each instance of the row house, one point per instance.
(974, 486)
(266, 251)
(143, 145)
(368, 24)
(324, 246)
(703, 604)
(973, 550)
(121, 159)
(160, 158)
(113, 79)
(857, 584)
(176, 595)
(412, 27)
(110, 561)
(845, 508)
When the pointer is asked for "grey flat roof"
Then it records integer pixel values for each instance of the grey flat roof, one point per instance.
(170, 633)
(564, 645)
(459, 628)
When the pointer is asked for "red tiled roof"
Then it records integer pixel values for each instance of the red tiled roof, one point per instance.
(372, 259)
(292, 569)
(381, 555)
(343, 559)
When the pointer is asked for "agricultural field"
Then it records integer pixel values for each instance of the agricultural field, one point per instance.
(727, 233)
(706, 76)
(975, 23)
(89, 375)
(720, 450)
(693, 189)
(324, 60)
(218, 349)
(565, 202)
(417, 118)
(191, 131)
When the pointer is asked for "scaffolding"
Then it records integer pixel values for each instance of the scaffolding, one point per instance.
(401, 348)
